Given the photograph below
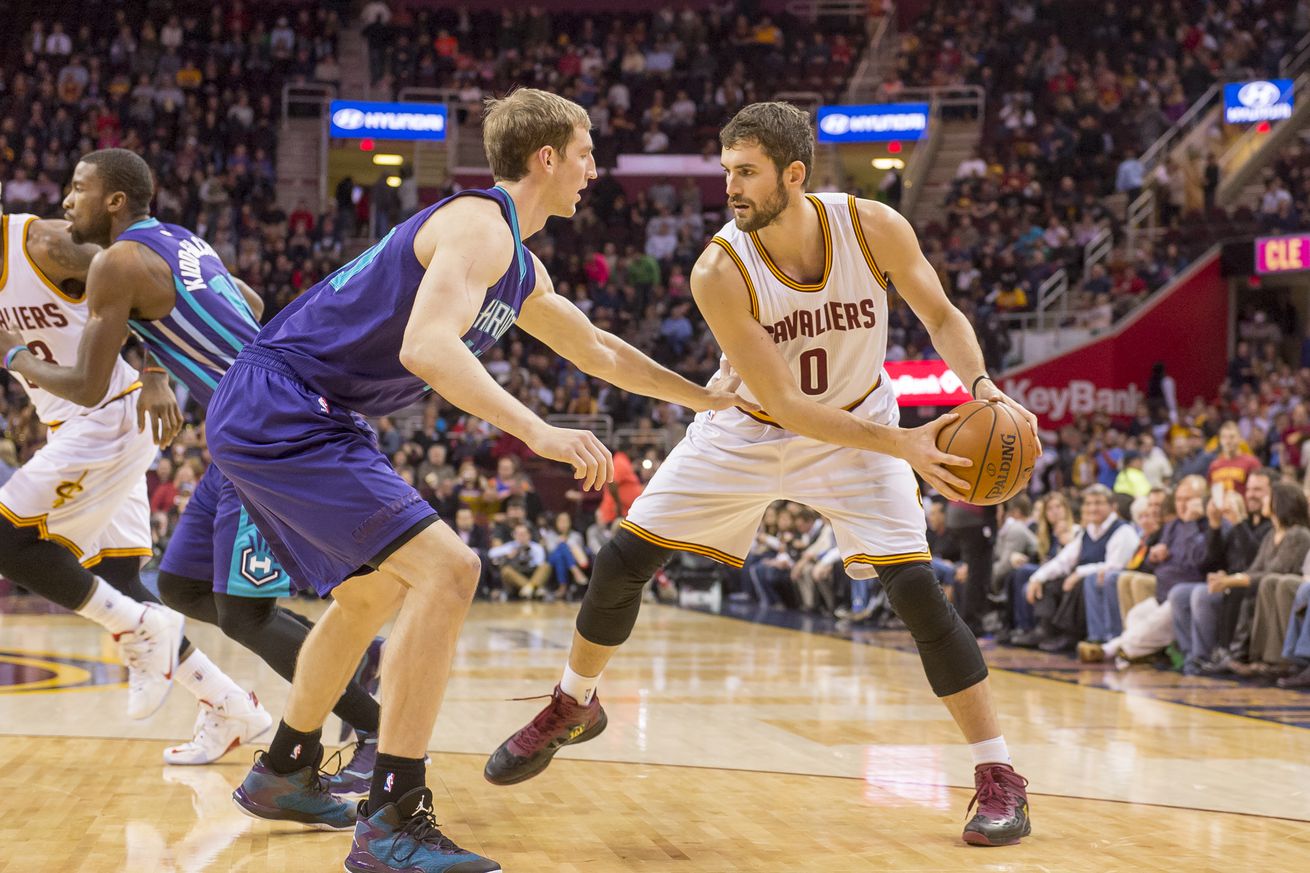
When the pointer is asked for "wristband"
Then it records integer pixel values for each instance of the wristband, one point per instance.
(154, 370)
(9, 355)
(973, 390)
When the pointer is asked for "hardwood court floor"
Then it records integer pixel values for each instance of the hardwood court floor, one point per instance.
(732, 746)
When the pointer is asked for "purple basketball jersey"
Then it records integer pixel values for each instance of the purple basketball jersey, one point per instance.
(343, 336)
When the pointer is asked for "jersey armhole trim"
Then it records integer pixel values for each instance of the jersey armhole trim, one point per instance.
(4, 251)
(864, 243)
(27, 228)
(746, 277)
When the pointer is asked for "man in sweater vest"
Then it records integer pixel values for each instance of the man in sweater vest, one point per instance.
(1105, 543)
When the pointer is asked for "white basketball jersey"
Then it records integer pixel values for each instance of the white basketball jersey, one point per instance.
(832, 333)
(50, 322)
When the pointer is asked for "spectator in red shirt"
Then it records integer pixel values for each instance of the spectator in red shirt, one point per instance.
(301, 219)
(1233, 464)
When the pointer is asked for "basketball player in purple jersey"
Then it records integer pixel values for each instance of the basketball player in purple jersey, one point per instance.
(170, 288)
(411, 314)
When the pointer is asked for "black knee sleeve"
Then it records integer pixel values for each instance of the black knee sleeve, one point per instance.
(194, 598)
(124, 574)
(613, 599)
(247, 620)
(43, 567)
(949, 652)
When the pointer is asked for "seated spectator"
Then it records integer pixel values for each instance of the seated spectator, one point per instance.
(474, 536)
(770, 573)
(522, 563)
(1016, 543)
(1178, 557)
(1101, 599)
(1055, 530)
(566, 552)
(1296, 648)
(1105, 542)
(1131, 479)
(816, 540)
(1205, 624)
(1276, 590)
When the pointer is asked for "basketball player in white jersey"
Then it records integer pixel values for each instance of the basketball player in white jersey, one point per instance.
(795, 291)
(75, 519)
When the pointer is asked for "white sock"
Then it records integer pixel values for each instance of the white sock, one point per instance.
(111, 609)
(991, 751)
(204, 680)
(580, 688)
(1111, 647)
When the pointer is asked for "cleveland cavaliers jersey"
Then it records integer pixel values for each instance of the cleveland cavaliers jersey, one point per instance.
(833, 332)
(50, 321)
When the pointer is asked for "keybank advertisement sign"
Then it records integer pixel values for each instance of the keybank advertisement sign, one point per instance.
(1263, 100)
(878, 122)
(357, 119)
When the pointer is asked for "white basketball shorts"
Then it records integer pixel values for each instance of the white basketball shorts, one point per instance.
(85, 489)
(709, 495)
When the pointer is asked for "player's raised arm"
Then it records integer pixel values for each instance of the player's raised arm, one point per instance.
(721, 294)
(559, 324)
(473, 250)
(86, 380)
(952, 335)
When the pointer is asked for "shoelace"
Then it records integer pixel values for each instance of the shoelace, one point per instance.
(545, 724)
(996, 789)
(319, 782)
(423, 829)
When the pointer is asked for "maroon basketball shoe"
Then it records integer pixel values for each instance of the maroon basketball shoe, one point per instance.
(1002, 801)
(563, 722)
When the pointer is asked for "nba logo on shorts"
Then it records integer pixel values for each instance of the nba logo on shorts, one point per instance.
(323, 405)
(390, 783)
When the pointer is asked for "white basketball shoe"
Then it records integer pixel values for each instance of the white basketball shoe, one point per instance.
(220, 728)
(149, 652)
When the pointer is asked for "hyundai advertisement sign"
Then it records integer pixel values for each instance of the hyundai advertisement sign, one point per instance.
(359, 119)
(878, 122)
(1263, 100)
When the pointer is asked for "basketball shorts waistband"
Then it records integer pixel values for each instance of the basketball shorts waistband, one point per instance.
(269, 359)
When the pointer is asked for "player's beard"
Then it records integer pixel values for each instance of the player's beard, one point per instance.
(763, 214)
(97, 233)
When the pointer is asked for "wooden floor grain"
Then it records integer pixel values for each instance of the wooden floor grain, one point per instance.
(731, 747)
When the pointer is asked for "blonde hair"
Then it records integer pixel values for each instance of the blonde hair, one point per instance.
(524, 121)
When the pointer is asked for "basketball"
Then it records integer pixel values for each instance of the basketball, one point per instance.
(1000, 444)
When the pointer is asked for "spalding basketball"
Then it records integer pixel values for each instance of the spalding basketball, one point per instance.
(1000, 444)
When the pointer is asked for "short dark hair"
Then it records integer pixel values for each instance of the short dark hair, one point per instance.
(1020, 503)
(781, 130)
(124, 170)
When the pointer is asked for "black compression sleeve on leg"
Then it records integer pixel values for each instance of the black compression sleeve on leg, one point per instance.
(43, 567)
(613, 599)
(124, 574)
(276, 635)
(947, 647)
(194, 598)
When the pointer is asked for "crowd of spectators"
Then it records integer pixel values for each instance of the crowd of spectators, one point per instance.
(659, 82)
(1076, 93)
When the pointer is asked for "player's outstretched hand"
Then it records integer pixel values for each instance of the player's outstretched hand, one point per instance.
(919, 447)
(988, 391)
(592, 463)
(721, 393)
(158, 401)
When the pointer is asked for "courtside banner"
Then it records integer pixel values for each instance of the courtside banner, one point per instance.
(361, 119)
(876, 122)
(926, 383)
